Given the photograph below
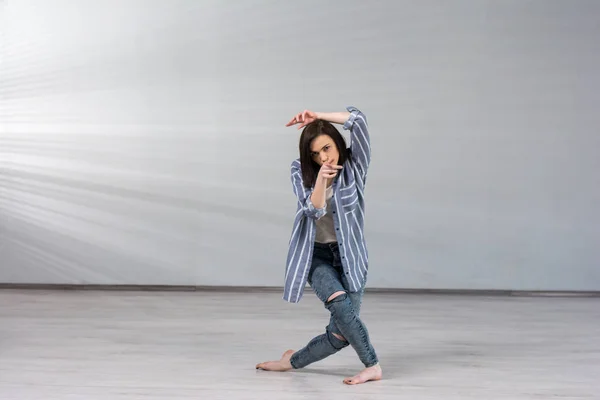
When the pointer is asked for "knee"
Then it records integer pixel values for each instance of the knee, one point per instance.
(340, 307)
(335, 295)
(340, 337)
(337, 341)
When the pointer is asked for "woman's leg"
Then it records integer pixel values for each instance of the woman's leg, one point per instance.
(345, 326)
(347, 321)
(324, 279)
(323, 346)
(353, 301)
(355, 332)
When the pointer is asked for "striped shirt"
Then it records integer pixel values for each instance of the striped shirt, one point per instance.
(348, 209)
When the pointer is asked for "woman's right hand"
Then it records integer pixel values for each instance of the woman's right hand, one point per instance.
(328, 171)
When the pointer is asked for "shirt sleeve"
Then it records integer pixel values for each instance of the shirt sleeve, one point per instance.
(360, 140)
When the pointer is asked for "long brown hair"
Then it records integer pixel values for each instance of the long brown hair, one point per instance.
(310, 169)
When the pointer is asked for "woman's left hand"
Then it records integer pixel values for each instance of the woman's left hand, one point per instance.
(304, 118)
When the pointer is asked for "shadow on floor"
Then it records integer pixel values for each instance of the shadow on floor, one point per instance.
(403, 364)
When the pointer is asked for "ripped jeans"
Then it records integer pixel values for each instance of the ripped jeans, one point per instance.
(326, 277)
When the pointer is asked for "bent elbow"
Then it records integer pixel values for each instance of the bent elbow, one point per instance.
(315, 215)
(313, 212)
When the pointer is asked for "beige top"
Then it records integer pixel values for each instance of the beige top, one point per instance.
(325, 227)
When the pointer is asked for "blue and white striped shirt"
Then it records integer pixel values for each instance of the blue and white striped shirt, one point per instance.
(348, 208)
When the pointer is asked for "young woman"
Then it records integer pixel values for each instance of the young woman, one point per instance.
(327, 248)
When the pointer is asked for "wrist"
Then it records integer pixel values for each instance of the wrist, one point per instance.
(321, 181)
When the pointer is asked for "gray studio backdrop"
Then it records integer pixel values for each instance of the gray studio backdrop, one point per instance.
(143, 142)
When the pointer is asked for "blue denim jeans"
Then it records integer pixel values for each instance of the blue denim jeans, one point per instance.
(326, 277)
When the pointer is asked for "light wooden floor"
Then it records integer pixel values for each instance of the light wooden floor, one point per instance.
(165, 345)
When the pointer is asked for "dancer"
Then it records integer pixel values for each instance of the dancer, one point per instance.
(327, 248)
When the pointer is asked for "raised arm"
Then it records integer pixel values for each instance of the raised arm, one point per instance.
(352, 119)
(360, 140)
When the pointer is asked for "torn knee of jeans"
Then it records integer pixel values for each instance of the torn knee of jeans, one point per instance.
(340, 337)
(335, 341)
(340, 297)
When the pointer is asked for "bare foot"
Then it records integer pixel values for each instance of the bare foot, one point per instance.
(373, 373)
(281, 365)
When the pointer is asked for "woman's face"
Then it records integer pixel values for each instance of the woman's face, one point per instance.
(324, 150)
